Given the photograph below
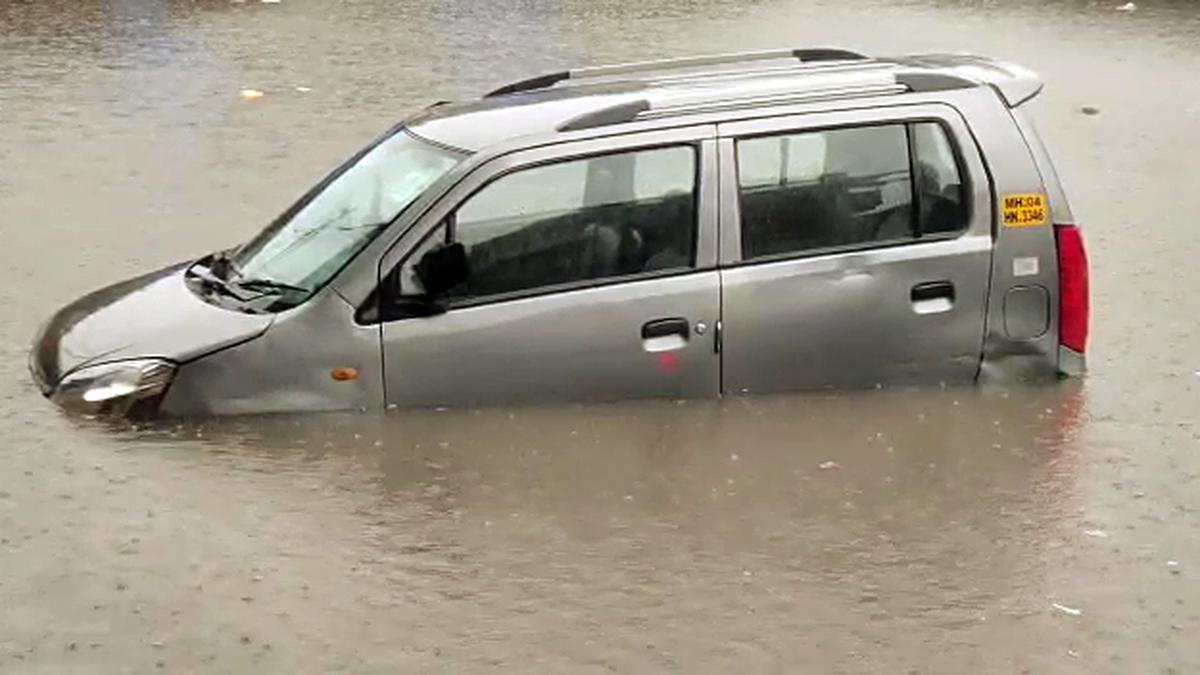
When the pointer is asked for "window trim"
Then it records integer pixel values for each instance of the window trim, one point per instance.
(697, 146)
(946, 117)
(845, 248)
(571, 286)
(967, 181)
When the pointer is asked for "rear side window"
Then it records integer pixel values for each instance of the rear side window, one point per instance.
(850, 187)
(588, 219)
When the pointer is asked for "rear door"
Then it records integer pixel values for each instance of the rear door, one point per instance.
(856, 248)
(592, 274)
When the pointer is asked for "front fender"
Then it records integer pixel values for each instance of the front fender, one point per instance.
(287, 369)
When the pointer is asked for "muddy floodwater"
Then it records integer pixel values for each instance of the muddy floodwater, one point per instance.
(1048, 529)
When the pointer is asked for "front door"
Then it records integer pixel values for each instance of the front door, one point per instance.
(590, 275)
(856, 250)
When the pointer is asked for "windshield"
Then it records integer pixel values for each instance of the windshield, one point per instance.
(306, 247)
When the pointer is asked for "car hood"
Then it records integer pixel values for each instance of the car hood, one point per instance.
(154, 315)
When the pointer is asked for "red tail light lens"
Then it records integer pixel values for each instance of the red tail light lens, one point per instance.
(1073, 306)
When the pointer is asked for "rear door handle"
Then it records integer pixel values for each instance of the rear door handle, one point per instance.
(932, 297)
(666, 328)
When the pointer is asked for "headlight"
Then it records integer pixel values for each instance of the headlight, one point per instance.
(115, 388)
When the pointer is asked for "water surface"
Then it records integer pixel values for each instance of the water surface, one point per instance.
(647, 536)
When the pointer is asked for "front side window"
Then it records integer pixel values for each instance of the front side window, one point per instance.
(306, 247)
(847, 188)
(575, 221)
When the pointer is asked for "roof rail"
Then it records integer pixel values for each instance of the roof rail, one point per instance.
(630, 111)
(859, 85)
(811, 55)
(613, 114)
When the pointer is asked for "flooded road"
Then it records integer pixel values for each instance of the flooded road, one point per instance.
(1049, 529)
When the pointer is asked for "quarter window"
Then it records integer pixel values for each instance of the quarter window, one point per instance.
(847, 188)
(590, 219)
(940, 192)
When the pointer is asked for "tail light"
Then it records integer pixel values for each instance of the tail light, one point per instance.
(1073, 307)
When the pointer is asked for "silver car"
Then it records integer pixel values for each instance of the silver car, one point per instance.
(754, 222)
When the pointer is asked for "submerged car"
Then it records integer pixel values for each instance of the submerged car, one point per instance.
(781, 220)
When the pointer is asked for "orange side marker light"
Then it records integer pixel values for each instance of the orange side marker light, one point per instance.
(344, 374)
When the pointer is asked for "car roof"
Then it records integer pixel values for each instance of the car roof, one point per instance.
(675, 88)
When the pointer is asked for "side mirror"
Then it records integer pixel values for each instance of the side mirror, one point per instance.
(443, 268)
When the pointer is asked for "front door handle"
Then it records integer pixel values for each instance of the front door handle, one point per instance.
(666, 328)
(932, 297)
(665, 335)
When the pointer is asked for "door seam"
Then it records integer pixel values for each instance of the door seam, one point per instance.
(719, 328)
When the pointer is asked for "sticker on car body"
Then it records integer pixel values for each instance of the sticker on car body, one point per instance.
(1025, 267)
(1024, 210)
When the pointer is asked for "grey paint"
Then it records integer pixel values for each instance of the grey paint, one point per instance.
(847, 319)
(1026, 312)
(583, 343)
(288, 368)
(1070, 362)
(1060, 208)
(834, 319)
(1013, 171)
(154, 315)
(1015, 84)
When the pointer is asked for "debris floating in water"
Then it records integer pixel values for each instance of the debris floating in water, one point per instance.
(1099, 534)
(302, 89)
(830, 466)
(251, 94)
(1173, 565)
(1089, 110)
(1127, 7)
(1067, 610)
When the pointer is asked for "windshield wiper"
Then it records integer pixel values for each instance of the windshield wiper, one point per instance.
(212, 281)
(221, 265)
(269, 285)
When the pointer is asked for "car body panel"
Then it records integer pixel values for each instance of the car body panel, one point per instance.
(289, 368)
(152, 316)
(579, 345)
(582, 343)
(847, 318)
(849, 311)
(1023, 256)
